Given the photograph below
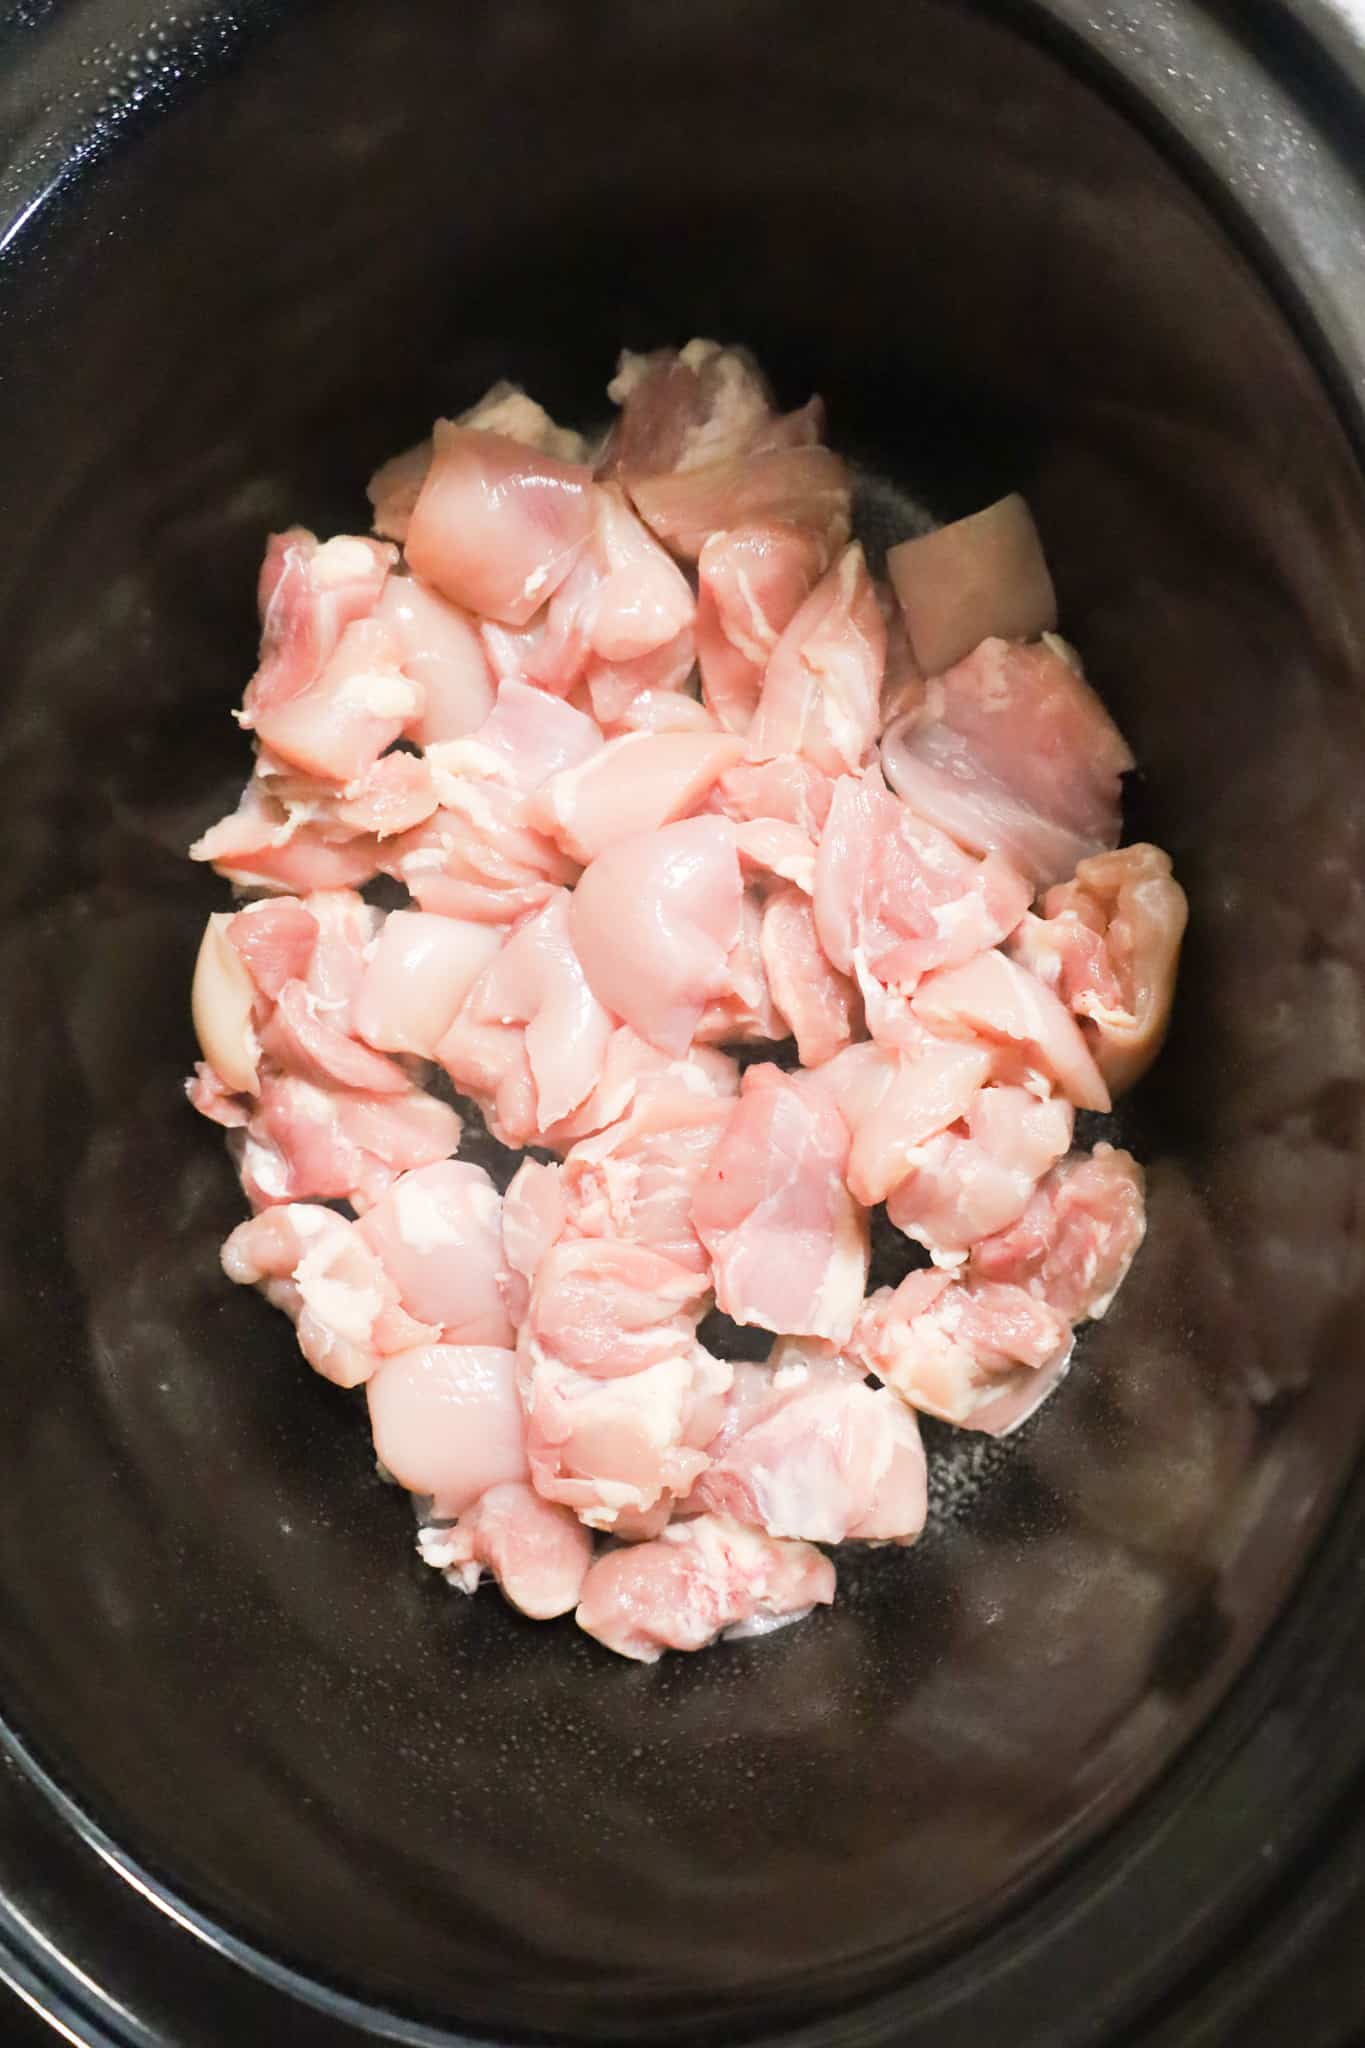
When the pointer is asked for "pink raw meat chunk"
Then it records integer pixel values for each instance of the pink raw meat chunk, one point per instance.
(979, 1176)
(309, 592)
(447, 1422)
(419, 972)
(700, 1579)
(438, 649)
(981, 576)
(788, 1243)
(530, 1037)
(1108, 943)
(498, 526)
(438, 1235)
(1075, 1241)
(993, 998)
(751, 582)
(894, 1100)
(654, 920)
(533, 1217)
(357, 705)
(1012, 753)
(265, 844)
(538, 1553)
(977, 1354)
(635, 784)
(608, 1307)
(827, 1458)
(896, 895)
(821, 692)
(743, 1013)
(821, 1007)
(683, 408)
(317, 1267)
(305, 1143)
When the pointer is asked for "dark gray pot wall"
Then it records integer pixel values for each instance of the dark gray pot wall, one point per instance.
(1057, 1775)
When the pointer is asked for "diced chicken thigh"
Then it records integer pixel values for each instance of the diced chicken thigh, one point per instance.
(752, 580)
(437, 1232)
(993, 998)
(821, 690)
(447, 1422)
(538, 1553)
(978, 1176)
(977, 1354)
(1075, 1241)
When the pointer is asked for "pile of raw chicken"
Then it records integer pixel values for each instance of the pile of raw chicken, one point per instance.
(664, 771)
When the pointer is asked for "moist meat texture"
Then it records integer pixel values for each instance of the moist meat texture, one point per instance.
(746, 890)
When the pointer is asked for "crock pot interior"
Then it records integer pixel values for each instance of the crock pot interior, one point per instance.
(215, 1631)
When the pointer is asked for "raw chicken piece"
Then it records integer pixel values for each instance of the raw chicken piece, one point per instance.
(994, 998)
(222, 999)
(538, 1553)
(438, 1234)
(1108, 943)
(506, 409)
(498, 526)
(447, 1422)
(895, 1099)
(820, 1006)
(530, 1037)
(303, 1142)
(309, 592)
(614, 1449)
(979, 577)
(771, 850)
(356, 706)
(299, 1038)
(610, 1308)
(318, 1268)
(979, 1355)
(419, 972)
(744, 1013)
(207, 1092)
(681, 409)
(751, 582)
(828, 1458)
(480, 858)
(396, 486)
(896, 894)
(697, 1580)
(1075, 1241)
(534, 1213)
(438, 648)
(787, 789)
(787, 1241)
(654, 920)
(821, 692)
(635, 784)
(979, 1176)
(265, 844)
(347, 927)
(659, 710)
(806, 487)
(1014, 754)
(631, 1063)
(636, 1179)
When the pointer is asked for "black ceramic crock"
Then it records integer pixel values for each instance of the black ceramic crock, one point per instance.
(1086, 1766)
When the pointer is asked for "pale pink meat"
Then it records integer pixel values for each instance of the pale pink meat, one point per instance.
(897, 895)
(438, 648)
(330, 1281)
(805, 486)
(895, 1099)
(396, 486)
(982, 576)
(654, 920)
(609, 1307)
(827, 1458)
(537, 1552)
(635, 784)
(1012, 753)
(821, 691)
(698, 1580)
(300, 1038)
(534, 1213)
(788, 1243)
(419, 971)
(751, 582)
(1075, 1241)
(978, 1176)
(661, 710)
(744, 1012)
(993, 998)
(1108, 942)
(447, 1422)
(356, 706)
(498, 526)
(787, 789)
(309, 592)
(975, 1353)
(636, 1179)
(684, 408)
(302, 1142)
(265, 844)
(530, 1038)
(820, 1006)
(438, 1234)
(613, 1449)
